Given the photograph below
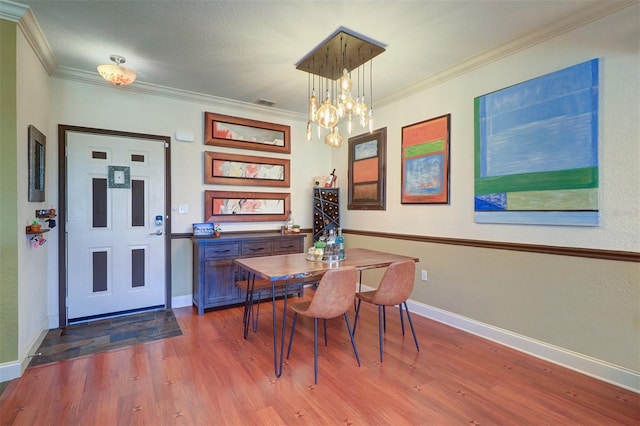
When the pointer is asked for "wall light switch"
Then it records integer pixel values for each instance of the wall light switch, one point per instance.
(423, 275)
(183, 208)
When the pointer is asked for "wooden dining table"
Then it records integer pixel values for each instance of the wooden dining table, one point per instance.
(292, 268)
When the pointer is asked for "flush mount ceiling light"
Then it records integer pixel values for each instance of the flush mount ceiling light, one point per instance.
(332, 61)
(116, 74)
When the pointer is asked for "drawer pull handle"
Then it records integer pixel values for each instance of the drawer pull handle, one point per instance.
(256, 249)
(222, 251)
(289, 246)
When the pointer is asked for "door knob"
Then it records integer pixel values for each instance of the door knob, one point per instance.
(159, 232)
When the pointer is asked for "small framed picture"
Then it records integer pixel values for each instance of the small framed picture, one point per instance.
(203, 229)
(119, 177)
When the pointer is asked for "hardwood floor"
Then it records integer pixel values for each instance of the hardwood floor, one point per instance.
(212, 376)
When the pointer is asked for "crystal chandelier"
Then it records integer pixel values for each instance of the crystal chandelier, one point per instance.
(333, 62)
(116, 74)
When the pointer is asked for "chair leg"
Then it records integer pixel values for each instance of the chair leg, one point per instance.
(415, 339)
(354, 299)
(353, 342)
(401, 319)
(380, 309)
(293, 328)
(325, 331)
(315, 350)
(384, 316)
(355, 321)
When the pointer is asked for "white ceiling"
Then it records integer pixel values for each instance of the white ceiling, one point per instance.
(247, 50)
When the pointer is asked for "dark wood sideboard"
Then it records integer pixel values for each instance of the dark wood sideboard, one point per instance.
(214, 273)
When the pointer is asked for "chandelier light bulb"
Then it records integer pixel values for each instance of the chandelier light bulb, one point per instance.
(345, 82)
(327, 114)
(364, 108)
(333, 138)
(308, 134)
(357, 107)
(364, 116)
(349, 103)
(313, 107)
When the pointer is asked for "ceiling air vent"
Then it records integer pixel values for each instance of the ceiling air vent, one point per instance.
(265, 102)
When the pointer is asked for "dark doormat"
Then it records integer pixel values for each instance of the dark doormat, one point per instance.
(106, 334)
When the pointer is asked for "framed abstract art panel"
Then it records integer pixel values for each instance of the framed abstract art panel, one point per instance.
(242, 133)
(425, 161)
(233, 169)
(367, 171)
(536, 150)
(241, 206)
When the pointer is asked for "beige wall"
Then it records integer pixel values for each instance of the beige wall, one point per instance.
(586, 306)
(33, 88)
(590, 307)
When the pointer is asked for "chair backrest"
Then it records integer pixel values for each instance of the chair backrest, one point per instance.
(335, 293)
(396, 284)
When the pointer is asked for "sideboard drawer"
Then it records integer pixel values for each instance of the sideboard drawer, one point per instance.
(219, 251)
(284, 246)
(257, 248)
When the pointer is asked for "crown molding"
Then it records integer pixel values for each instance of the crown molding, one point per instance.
(33, 33)
(28, 24)
(138, 86)
(12, 11)
(587, 15)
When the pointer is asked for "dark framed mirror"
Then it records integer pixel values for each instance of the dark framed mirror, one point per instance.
(37, 164)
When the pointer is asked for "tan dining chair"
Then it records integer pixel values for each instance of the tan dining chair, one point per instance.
(333, 298)
(395, 288)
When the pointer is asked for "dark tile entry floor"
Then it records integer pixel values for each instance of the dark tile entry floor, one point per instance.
(106, 334)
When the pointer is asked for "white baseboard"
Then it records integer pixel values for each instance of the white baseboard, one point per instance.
(181, 301)
(10, 370)
(592, 367)
(14, 369)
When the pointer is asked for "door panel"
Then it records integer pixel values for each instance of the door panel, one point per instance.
(115, 246)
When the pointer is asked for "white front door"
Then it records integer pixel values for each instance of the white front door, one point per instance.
(115, 224)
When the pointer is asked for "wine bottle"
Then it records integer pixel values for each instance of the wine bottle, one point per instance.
(340, 243)
(290, 221)
(331, 179)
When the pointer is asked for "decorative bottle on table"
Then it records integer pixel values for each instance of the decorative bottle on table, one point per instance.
(290, 221)
(340, 243)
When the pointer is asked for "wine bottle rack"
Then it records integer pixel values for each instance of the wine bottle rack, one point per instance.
(326, 210)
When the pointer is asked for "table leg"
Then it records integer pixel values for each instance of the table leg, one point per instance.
(248, 304)
(277, 364)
